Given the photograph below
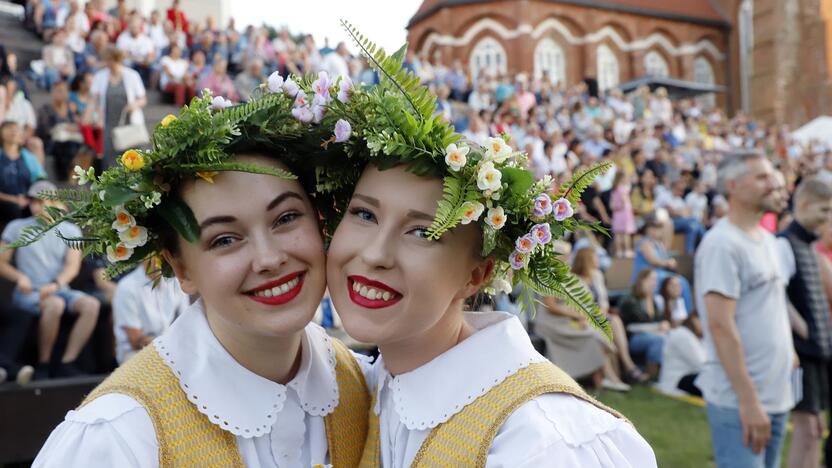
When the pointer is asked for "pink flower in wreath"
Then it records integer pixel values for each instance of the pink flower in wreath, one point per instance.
(562, 209)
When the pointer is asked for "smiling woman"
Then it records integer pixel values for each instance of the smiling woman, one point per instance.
(223, 202)
(431, 222)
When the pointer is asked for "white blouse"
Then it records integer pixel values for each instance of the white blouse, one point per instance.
(275, 425)
(550, 430)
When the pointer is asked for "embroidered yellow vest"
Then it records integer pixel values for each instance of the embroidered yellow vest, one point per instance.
(465, 439)
(187, 437)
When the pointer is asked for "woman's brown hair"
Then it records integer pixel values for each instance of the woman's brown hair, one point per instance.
(113, 54)
(638, 288)
(586, 260)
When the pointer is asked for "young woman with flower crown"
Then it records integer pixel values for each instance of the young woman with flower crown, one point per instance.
(241, 377)
(433, 221)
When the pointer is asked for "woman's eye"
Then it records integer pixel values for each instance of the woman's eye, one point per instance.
(420, 232)
(363, 214)
(287, 218)
(223, 241)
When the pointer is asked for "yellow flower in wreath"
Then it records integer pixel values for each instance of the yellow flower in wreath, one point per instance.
(132, 160)
(168, 119)
(207, 176)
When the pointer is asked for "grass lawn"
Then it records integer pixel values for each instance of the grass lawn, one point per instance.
(677, 430)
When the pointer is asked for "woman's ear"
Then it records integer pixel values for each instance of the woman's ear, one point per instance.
(479, 276)
(180, 271)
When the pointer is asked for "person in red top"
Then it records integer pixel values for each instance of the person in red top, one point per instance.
(177, 17)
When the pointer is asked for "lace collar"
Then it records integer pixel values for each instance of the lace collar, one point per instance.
(429, 395)
(234, 398)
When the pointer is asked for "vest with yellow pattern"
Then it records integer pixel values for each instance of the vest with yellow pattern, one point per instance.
(465, 439)
(187, 437)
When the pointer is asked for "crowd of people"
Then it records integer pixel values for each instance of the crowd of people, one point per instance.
(675, 191)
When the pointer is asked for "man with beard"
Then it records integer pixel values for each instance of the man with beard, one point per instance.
(812, 209)
(741, 296)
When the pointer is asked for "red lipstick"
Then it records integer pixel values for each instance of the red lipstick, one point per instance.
(367, 302)
(280, 298)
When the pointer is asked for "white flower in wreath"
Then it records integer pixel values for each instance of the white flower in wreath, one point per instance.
(151, 200)
(124, 220)
(471, 211)
(119, 253)
(488, 177)
(133, 237)
(496, 217)
(84, 177)
(455, 156)
(496, 149)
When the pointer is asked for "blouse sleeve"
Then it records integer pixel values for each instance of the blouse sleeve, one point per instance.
(113, 430)
(562, 430)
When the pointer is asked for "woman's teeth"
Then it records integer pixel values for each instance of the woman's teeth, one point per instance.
(278, 290)
(372, 293)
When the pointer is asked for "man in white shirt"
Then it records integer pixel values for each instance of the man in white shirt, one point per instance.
(142, 312)
(156, 32)
(697, 201)
(672, 200)
(138, 47)
(741, 298)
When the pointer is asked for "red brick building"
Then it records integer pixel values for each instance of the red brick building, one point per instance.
(724, 42)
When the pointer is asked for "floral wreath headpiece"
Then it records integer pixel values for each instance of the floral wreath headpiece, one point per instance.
(127, 207)
(396, 123)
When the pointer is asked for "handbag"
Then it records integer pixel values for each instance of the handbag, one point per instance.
(127, 135)
(66, 132)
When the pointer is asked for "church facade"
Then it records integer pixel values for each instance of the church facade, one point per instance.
(722, 42)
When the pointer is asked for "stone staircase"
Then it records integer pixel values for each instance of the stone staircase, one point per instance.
(28, 47)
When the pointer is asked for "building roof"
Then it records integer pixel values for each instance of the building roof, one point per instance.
(692, 11)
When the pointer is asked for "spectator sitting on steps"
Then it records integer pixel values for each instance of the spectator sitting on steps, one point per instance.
(42, 273)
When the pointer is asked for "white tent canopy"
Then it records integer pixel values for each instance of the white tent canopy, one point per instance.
(818, 130)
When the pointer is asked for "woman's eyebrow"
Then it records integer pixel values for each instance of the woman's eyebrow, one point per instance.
(366, 199)
(415, 214)
(216, 220)
(225, 219)
(420, 215)
(281, 198)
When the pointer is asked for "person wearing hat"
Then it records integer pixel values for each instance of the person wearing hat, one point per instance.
(42, 272)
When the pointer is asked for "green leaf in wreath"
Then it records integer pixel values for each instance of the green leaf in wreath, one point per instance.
(519, 180)
(115, 195)
(489, 240)
(180, 217)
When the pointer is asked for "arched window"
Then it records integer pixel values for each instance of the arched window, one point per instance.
(549, 58)
(703, 73)
(656, 65)
(489, 56)
(608, 71)
(746, 27)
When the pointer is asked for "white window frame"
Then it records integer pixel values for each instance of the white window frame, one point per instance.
(703, 72)
(656, 65)
(549, 57)
(488, 55)
(609, 70)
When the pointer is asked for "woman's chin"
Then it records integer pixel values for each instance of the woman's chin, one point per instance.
(283, 324)
(360, 328)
